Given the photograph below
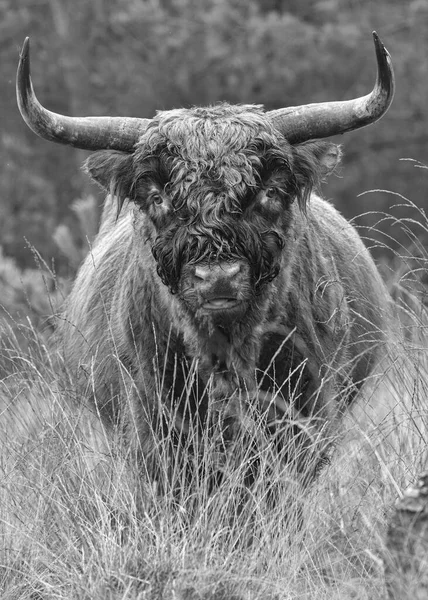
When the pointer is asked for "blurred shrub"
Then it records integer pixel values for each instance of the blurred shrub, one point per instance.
(34, 294)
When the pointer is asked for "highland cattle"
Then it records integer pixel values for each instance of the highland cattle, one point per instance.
(220, 281)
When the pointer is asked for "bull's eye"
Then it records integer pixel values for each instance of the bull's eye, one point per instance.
(158, 206)
(156, 198)
(271, 200)
(269, 197)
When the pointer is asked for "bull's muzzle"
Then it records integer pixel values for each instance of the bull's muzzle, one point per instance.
(220, 285)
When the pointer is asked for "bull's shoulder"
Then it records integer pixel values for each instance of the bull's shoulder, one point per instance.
(113, 242)
(336, 239)
(330, 224)
(102, 275)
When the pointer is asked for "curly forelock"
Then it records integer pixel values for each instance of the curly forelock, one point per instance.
(216, 150)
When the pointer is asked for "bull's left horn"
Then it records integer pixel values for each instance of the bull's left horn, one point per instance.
(310, 121)
(87, 133)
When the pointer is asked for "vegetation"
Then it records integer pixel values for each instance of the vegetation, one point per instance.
(79, 520)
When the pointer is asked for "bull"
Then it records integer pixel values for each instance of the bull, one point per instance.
(220, 281)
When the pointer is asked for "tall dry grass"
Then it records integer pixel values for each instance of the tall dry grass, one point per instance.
(79, 520)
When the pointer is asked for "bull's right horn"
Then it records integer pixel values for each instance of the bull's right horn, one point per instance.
(307, 122)
(87, 133)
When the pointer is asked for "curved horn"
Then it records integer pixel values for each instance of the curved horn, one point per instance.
(310, 121)
(87, 133)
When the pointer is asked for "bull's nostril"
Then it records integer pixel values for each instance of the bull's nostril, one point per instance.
(231, 269)
(201, 272)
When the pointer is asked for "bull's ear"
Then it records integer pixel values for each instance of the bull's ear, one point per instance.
(313, 162)
(329, 157)
(326, 155)
(112, 170)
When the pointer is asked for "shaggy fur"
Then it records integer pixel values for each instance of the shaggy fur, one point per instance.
(217, 190)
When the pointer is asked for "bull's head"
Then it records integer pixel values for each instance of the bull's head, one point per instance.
(219, 187)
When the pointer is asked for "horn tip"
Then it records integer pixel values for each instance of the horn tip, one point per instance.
(383, 56)
(23, 79)
(25, 49)
(379, 46)
(377, 41)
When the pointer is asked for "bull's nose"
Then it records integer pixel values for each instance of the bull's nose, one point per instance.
(213, 271)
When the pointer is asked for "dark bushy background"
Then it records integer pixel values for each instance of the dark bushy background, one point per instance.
(133, 57)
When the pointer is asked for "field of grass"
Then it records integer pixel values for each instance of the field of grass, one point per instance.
(79, 521)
